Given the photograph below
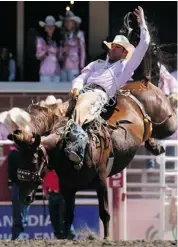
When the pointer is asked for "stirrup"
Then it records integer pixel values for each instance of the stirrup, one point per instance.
(73, 156)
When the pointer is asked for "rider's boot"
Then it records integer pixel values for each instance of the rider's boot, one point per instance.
(75, 149)
(154, 147)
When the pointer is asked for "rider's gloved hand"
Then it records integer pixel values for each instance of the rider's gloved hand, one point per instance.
(140, 15)
(75, 92)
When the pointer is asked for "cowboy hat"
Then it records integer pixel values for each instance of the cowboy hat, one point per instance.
(51, 100)
(16, 115)
(69, 15)
(50, 21)
(124, 42)
(3, 116)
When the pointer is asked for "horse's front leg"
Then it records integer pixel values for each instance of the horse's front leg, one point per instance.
(102, 193)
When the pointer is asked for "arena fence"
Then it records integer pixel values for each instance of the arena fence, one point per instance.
(118, 195)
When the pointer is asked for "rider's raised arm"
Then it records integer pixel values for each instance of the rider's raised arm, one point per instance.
(131, 65)
(82, 78)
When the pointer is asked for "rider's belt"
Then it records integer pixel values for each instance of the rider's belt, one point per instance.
(95, 86)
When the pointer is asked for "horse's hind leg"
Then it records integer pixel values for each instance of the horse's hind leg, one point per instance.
(102, 193)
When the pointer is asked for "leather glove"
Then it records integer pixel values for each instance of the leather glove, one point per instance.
(75, 92)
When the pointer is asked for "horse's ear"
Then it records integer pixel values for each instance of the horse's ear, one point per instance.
(17, 132)
(37, 141)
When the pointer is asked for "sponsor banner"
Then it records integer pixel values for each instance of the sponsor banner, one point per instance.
(144, 220)
(39, 225)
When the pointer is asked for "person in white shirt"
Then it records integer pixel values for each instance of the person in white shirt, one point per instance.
(100, 81)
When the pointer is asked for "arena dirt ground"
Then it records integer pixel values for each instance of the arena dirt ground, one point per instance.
(83, 243)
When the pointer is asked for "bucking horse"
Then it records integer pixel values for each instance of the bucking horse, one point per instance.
(141, 111)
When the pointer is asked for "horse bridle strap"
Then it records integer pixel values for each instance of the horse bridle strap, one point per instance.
(44, 160)
(29, 176)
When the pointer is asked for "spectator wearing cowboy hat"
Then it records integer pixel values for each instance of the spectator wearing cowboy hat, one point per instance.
(50, 100)
(14, 119)
(73, 52)
(48, 50)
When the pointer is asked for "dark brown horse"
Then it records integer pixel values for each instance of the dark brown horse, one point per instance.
(142, 111)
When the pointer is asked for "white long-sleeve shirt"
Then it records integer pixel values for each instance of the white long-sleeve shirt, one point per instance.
(112, 76)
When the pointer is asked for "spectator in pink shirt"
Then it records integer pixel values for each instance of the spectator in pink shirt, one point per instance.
(47, 51)
(167, 83)
(73, 52)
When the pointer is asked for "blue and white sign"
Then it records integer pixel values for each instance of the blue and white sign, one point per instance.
(39, 226)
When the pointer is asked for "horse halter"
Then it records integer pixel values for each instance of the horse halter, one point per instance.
(24, 175)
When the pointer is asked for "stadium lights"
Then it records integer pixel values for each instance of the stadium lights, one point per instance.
(72, 2)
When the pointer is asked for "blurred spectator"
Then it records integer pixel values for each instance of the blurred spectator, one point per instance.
(173, 214)
(7, 65)
(4, 132)
(73, 52)
(16, 118)
(32, 64)
(19, 210)
(50, 100)
(174, 74)
(47, 50)
(56, 203)
(169, 85)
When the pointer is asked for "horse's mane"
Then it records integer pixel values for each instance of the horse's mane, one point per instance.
(42, 119)
(47, 119)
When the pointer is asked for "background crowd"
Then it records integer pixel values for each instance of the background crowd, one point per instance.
(59, 48)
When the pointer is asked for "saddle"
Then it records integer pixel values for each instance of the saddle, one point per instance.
(109, 108)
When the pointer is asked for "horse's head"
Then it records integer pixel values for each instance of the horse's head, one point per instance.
(33, 164)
